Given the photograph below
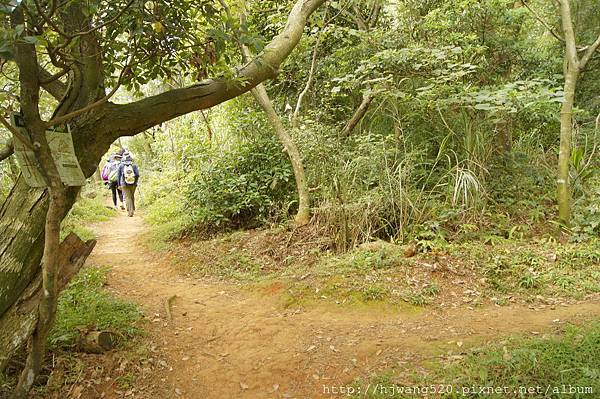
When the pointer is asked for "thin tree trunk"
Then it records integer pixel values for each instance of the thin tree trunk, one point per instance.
(358, 114)
(564, 155)
(261, 96)
(48, 302)
(208, 128)
(571, 68)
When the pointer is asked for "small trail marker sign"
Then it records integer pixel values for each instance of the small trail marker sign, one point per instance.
(26, 157)
(60, 142)
(63, 152)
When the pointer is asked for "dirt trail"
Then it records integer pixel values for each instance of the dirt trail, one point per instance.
(226, 342)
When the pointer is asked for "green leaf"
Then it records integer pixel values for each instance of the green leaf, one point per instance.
(31, 39)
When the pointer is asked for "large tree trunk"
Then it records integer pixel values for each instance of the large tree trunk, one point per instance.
(20, 319)
(22, 219)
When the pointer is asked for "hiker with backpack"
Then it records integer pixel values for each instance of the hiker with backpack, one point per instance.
(110, 175)
(128, 180)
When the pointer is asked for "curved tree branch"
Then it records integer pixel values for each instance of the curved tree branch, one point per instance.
(542, 21)
(51, 84)
(590, 52)
(7, 151)
(132, 118)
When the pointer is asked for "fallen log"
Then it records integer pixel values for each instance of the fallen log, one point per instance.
(97, 342)
(20, 319)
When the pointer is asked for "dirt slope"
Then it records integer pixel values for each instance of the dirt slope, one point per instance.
(226, 342)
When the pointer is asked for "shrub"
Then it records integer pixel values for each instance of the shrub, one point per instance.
(242, 186)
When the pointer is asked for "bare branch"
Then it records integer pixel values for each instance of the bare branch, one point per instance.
(360, 112)
(374, 18)
(64, 118)
(590, 52)
(51, 84)
(542, 21)
(49, 21)
(358, 18)
(311, 76)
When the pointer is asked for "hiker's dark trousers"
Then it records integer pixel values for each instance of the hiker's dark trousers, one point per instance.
(115, 190)
(129, 193)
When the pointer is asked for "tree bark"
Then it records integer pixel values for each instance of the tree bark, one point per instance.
(571, 72)
(573, 66)
(7, 151)
(20, 319)
(309, 81)
(564, 155)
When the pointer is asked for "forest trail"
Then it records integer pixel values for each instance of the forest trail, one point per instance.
(225, 341)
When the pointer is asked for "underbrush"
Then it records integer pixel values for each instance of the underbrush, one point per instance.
(553, 366)
(467, 274)
(85, 211)
(542, 267)
(86, 306)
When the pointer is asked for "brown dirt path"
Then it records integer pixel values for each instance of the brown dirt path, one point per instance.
(227, 342)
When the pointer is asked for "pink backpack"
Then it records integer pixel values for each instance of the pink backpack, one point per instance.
(105, 172)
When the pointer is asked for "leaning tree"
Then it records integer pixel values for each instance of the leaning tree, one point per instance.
(72, 57)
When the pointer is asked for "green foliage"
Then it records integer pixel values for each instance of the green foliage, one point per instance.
(586, 214)
(462, 132)
(239, 177)
(559, 361)
(242, 186)
(539, 268)
(86, 306)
